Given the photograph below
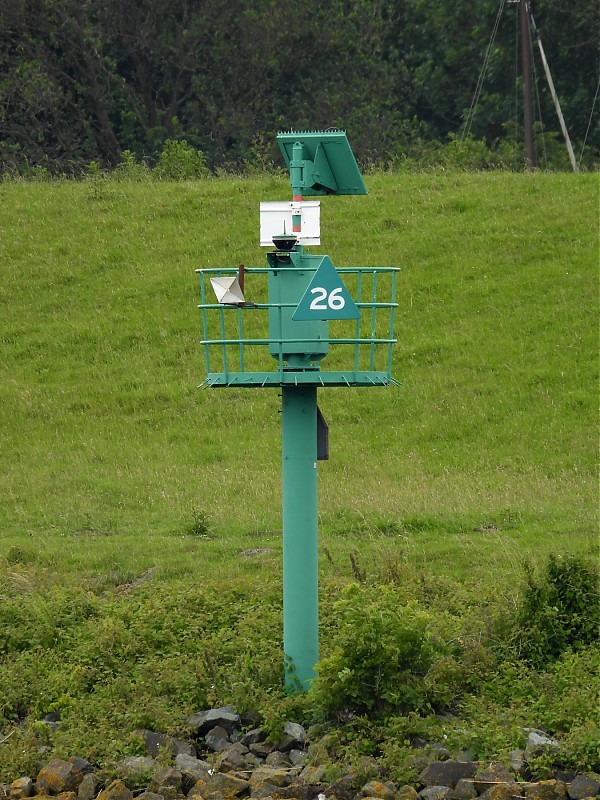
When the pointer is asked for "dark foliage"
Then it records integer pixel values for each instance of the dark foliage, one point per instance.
(85, 80)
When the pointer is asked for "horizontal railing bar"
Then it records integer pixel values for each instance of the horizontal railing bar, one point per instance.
(367, 269)
(259, 270)
(295, 341)
(232, 270)
(259, 306)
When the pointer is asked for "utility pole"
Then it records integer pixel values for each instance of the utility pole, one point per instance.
(526, 57)
(555, 99)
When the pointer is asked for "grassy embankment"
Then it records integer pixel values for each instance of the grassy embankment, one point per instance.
(116, 468)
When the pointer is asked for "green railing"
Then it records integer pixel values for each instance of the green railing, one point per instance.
(240, 350)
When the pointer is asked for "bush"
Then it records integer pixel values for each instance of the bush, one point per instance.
(559, 610)
(179, 161)
(130, 169)
(381, 655)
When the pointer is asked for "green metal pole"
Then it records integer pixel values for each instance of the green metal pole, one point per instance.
(300, 544)
(300, 511)
(297, 181)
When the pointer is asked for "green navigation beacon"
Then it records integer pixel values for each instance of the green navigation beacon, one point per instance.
(314, 316)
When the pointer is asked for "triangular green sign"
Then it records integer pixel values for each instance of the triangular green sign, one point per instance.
(326, 297)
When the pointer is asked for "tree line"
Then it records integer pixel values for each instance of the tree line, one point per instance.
(86, 80)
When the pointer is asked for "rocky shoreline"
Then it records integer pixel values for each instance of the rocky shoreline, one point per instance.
(226, 759)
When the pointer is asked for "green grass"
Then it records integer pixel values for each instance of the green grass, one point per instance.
(109, 450)
(117, 470)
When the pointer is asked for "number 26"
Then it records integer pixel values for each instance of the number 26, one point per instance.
(335, 301)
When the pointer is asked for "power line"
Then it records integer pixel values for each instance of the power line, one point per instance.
(589, 123)
(476, 95)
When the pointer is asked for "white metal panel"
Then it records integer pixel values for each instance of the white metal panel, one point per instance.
(276, 218)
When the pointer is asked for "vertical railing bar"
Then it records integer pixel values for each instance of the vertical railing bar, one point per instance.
(357, 346)
(373, 321)
(205, 324)
(241, 338)
(392, 314)
(223, 337)
(280, 330)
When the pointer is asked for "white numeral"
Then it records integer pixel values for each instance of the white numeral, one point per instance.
(335, 301)
(317, 304)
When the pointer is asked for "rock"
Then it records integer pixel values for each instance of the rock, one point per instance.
(385, 791)
(179, 746)
(539, 744)
(501, 791)
(224, 786)
(136, 770)
(217, 739)
(22, 787)
(232, 758)
(270, 775)
(251, 762)
(67, 796)
(277, 759)
(262, 749)
(407, 793)
(192, 770)
(297, 758)
(294, 791)
(294, 736)
(447, 773)
(149, 796)
(313, 776)
(253, 737)
(168, 782)
(517, 761)
(88, 788)
(546, 790)
(465, 789)
(342, 789)
(436, 793)
(58, 776)
(154, 742)
(82, 765)
(255, 551)
(494, 773)
(263, 791)
(197, 789)
(323, 749)
(565, 775)
(439, 751)
(52, 720)
(582, 787)
(116, 791)
(225, 717)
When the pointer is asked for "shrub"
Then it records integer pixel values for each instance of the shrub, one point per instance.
(467, 153)
(200, 525)
(381, 655)
(130, 169)
(559, 610)
(179, 161)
